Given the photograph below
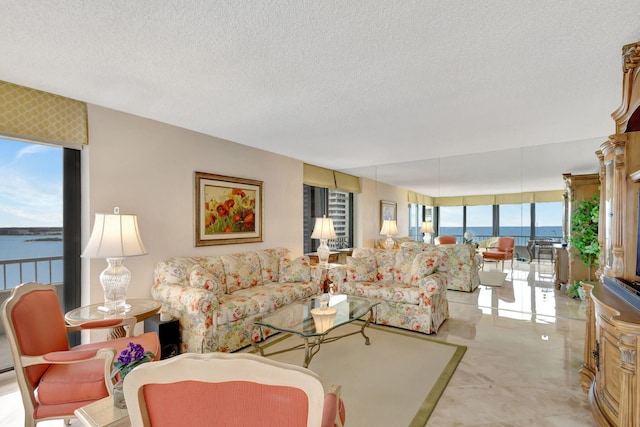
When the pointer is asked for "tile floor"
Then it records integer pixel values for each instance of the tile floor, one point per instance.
(525, 342)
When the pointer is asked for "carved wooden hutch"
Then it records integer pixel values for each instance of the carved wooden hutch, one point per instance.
(612, 342)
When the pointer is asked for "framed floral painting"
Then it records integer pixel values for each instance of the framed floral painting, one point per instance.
(228, 210)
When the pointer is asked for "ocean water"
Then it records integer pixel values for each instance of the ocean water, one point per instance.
(29, 247)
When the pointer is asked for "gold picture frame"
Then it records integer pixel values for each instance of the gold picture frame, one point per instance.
(388, 210)
(228, 210)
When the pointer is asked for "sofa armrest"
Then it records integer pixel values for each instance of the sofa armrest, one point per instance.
(430, 285)
(337, 275)
(317, 275)
(195, 308)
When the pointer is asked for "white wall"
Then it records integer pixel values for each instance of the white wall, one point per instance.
(367, 211)
(147, 168)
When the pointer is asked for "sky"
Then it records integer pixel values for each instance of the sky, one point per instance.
(30, 184)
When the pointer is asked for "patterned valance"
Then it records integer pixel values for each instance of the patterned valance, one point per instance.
(33, 114)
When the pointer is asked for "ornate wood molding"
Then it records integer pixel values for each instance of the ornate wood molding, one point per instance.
(630, 100)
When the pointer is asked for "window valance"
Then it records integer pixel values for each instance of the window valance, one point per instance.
(502, 199)
(327, 178)
(33, 114)
(419, 199)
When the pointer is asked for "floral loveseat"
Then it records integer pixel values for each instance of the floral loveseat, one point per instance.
(216, 299)
(464, 263)
(410, 286)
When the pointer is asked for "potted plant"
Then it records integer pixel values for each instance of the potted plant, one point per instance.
(575, 290)
(584, 236)
(129, 358)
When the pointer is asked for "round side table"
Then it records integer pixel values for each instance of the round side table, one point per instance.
(141, 309)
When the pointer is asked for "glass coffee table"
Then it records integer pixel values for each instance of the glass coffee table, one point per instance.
(298, 319)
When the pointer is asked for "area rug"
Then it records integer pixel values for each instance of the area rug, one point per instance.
(492, 278)
(395, 381)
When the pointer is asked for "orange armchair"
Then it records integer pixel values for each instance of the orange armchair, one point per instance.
(223, 389)
(502, 251)
(54, 379)
(446, 240)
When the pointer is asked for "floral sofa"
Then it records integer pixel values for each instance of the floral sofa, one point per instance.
(410, 286)
(217, 299)
(464, 263)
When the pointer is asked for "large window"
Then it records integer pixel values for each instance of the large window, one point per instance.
(417, 215)
(548, 223)
(39, 220)
(524, 221)
(480, 221)
(515, 221)
(335, 204)
(451, 221)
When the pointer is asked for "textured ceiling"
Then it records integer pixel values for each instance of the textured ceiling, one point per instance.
(502, 95)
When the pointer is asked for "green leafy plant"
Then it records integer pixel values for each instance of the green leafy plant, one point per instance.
(584, 230)
(572, 289)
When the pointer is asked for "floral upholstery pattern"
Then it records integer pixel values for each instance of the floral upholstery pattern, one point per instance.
(295, 270)
(409, 285)
(363, 269)
(201, 278)
(242, 271)
(216, 315)
(462, 262)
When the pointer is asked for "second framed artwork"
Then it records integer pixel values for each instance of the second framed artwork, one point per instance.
(228, 210)
(388, 210)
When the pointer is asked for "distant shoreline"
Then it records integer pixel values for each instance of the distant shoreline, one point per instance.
(30, 231)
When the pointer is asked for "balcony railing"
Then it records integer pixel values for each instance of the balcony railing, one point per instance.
(43, 270)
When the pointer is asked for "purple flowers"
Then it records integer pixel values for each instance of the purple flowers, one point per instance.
(129, 358)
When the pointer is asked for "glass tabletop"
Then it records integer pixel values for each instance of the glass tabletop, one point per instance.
(297, 318)
(140, 309)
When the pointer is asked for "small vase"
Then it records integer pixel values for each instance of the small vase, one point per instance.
(118, 396)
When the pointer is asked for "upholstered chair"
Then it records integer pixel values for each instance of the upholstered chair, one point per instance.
(224, 389)
(503, 250)
(446, 240)
(53, 378)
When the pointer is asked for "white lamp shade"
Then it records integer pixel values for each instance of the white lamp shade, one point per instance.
(427, 227)
(389, 227)
(323, 229)
(114, 236)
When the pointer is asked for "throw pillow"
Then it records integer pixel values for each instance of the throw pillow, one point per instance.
(269, 259)
(242, 271)
(294, 270)
(423, 265)
(404, 261)
(362, 269)
(199, 277)
(386, 260)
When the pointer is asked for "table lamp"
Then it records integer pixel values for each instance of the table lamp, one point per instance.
(323, 230)
(114, 237)
(427, 229)
(390, 228)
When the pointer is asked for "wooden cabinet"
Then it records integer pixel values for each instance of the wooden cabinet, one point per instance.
(612, 347)
(612, 339)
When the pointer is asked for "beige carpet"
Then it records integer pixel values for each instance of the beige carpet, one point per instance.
(492, 278)
(395, 381)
